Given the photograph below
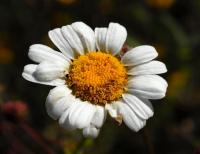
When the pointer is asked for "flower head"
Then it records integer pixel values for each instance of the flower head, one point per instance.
(92, 77)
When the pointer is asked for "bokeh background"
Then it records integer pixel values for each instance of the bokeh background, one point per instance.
(172, 26)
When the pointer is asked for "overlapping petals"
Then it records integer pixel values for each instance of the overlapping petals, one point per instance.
(142, 107)
(111, 39)
(40, 53)
(123, 111)
(73, 113)
(29, 74)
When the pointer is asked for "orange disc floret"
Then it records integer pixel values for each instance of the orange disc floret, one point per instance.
(97, 77)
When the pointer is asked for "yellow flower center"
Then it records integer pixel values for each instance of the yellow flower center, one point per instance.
(97, 77)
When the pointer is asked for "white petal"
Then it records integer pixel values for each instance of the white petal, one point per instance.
(28, 74)
(129, 117)
(112, 110)
(99, 117)
(57, 93)
(40, 53)
(91, 132)
(143, 108)
(79, 115)
(148, 86)
(64, 121)
(86, 35)
(58, 100)
(115, 38)
(58, 39)
(139, 55)
(152, 67)
(73, 39)
(83, 115)
(56, 109)
(47, 71)
(100, 34)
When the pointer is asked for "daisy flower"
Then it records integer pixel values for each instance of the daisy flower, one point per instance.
(92, 77)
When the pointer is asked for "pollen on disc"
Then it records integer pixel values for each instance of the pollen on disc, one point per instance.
(97, 77)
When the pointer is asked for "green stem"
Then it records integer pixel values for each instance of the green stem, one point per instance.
(80, 145)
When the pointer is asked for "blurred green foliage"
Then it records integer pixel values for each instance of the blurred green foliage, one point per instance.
(172, 26)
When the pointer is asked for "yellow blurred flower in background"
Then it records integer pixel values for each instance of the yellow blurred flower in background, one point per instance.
(60, 18)
(2, 88)
(6, 55)
(177, 81)
(160, 4)
(66, 2)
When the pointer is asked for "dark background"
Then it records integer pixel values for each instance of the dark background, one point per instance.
(172, 26)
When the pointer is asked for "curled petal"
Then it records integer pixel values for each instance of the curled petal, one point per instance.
(28, 74)
(47, 71)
